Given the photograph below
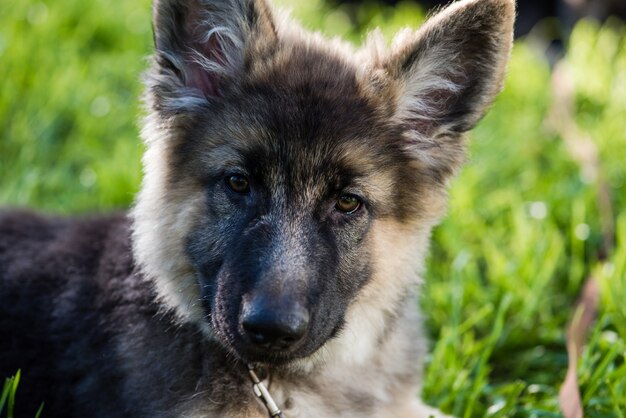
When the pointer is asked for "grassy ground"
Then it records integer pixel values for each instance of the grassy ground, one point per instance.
(507, 264)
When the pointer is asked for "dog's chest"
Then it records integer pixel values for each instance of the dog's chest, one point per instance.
(334, 394)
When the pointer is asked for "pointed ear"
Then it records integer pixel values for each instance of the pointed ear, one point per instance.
(202, 44)
(446, 75)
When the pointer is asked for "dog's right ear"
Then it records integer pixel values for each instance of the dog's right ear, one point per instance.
(447, 74)
(202, 44)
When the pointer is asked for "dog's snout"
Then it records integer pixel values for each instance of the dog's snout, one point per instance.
(274, 328)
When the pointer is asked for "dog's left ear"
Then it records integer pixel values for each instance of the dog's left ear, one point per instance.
(202, 46)
(446, 74)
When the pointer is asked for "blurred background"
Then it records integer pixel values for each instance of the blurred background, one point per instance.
(539, 207)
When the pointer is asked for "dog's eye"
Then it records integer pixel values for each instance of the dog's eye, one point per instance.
(238, 183)
(348, 204)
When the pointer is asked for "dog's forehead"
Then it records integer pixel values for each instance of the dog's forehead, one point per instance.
(316, 107)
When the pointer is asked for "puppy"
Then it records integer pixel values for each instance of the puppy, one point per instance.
(290, 187)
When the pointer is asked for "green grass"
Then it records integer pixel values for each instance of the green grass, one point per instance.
(7, 397)
(506, 265)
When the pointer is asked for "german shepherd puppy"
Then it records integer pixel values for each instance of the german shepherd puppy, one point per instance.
(290, 187)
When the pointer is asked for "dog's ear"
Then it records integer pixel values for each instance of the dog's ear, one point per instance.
(204, 43)
(447, 73)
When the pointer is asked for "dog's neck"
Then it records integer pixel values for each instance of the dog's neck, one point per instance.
(365, 380)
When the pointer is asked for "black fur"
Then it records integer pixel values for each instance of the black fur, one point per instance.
(86, 331)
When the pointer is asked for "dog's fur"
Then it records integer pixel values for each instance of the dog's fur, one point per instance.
(141, 315)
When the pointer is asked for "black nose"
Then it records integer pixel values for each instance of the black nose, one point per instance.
(277, 328)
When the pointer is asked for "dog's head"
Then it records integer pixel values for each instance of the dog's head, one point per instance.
(290, 182)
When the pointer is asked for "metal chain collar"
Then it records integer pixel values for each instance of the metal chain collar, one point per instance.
(261, 392)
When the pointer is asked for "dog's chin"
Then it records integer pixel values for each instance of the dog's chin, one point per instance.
(248, 352)
(251, 354)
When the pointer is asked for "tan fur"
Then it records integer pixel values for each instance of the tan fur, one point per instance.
(162, 218)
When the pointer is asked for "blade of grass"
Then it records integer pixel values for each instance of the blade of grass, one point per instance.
(39, 411)
(5, 392)
(12, 391)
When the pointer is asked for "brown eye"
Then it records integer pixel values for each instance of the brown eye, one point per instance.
(348, 204)
(238, 183)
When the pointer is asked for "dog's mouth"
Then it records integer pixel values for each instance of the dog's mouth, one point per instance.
(278, 353)
(275, 357)
(269, 345)
(250, 351)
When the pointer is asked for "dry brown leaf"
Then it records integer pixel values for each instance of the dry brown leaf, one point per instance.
(584, 315)
(584, 151)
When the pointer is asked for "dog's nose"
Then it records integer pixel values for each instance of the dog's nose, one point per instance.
(277, 329)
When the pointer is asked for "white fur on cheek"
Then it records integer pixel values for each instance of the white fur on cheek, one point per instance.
(162, 218)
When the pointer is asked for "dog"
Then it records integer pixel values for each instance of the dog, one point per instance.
(273, 255)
